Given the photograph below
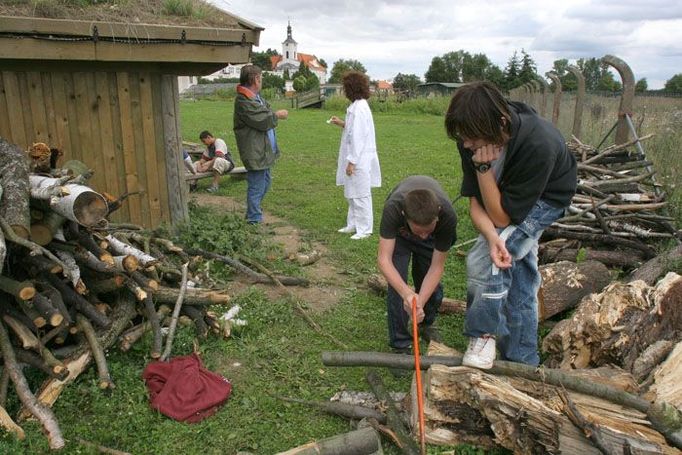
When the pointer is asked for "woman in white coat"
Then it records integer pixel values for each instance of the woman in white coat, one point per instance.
(358, 166)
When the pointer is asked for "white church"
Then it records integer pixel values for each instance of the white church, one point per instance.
(291, 60)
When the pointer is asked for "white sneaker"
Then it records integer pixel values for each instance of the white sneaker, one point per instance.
(480, 353)
(359, 236)
(346, 230)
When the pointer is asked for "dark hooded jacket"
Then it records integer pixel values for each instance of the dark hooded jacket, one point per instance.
(537, 165)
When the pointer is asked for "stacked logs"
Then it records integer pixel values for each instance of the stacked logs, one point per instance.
(618, 214)
(73, 285)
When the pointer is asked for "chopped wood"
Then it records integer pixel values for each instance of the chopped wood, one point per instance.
(122, 248)
(10, 426)
(651, 270)
(105, 381)
(193, 296)
(80, 203)
(393, 417)
(176, 313)
(23, 290)
(27, 338)
(42, 413)
(364, 441)
(617, 325)
(126, 263)
(341, 409)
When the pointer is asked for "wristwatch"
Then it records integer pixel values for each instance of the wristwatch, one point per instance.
(482, 167)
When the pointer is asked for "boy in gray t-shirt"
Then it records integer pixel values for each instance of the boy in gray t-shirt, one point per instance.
(418, 224)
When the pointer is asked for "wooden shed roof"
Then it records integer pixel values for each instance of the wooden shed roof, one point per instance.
(100, 33)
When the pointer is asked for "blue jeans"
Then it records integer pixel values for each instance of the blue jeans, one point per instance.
(421, 252)
(258, 183)
(503, 302)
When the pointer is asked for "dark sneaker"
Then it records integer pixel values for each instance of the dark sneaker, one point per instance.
(193, 187)
(213, 189)
(430, 333)
(400, 372)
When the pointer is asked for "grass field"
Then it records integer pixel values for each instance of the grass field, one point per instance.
(278, 353)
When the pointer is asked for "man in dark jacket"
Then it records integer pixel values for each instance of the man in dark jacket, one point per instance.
(519, 177)
(254, 128)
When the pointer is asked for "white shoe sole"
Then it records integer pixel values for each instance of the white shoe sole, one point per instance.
(476, 363)
(346, 230)
(359, 236)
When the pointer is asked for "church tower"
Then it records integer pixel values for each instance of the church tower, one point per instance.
(289, 48)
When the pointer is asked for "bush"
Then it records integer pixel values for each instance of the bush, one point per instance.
(431, 106)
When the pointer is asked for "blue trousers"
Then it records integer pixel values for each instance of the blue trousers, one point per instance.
(421, 252)
(258, 183)
(503, 302)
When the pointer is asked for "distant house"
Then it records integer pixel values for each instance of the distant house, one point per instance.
(438, 88)
(291, 60)
(384, 88)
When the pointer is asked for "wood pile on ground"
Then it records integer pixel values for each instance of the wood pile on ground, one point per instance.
(73, 285)
(619, 213)
(610, 382)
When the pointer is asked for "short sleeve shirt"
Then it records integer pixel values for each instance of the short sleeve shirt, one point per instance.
(394, 224)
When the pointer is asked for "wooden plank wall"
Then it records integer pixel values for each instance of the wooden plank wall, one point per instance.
(123, 125)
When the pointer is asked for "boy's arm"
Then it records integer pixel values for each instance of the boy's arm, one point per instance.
(482, 222)
(386, 267)
(432, 278)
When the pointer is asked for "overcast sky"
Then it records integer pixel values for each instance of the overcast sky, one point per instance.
(394, 36)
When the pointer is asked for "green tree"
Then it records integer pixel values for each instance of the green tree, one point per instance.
(592, 69)
(437, 71)
(475, 67)
(300, 83)
(511, 72)
(528, 71)
(322, 62)
(495, 75)
(642, 85)
(262, 59)
(674, 84)
(341, 66)
(312, 81)
(568, 80)
(285, 75)
(271, 80)
(406, 83)
(608, 83)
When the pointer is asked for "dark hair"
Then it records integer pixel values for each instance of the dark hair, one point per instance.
(355, 85)
(476, 112)
(204, 134)
(248, 73)
(421, 206)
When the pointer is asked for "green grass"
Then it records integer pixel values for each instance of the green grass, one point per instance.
(277, 352)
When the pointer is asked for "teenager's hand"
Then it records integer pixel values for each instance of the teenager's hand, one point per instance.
(350, 169)
(282, 114)
(487, 153)
(407, 306)
(499, 254)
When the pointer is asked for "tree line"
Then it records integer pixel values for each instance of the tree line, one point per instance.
(462, 66)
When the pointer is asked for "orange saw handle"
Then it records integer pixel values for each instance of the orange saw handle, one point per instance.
(417, 368)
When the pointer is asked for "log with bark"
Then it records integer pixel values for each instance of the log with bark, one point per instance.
(364, 441)
(618, 325)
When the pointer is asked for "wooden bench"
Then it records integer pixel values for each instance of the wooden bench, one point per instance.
(236, 171)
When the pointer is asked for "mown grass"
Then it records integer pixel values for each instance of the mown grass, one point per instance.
(277, 353)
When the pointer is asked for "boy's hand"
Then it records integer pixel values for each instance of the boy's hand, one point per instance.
(487, 153)
(499, 254)
(282, 114)
(407, 306)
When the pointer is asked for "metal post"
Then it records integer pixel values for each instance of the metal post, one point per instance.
(579, 100)
(626, 100)
(557, 96)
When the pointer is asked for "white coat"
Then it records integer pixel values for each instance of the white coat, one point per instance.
(358, 146)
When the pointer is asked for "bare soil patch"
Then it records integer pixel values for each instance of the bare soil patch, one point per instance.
(327, 282)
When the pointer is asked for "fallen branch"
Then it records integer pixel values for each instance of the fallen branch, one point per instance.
(176, 313)
(341, 409)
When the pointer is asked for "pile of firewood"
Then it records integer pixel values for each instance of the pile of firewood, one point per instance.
(73, 284)
(618, 214)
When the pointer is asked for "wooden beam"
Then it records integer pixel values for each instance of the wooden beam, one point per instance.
(27, 48)
(119, 30)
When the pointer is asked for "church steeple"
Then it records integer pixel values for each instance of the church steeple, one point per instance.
(289, 46)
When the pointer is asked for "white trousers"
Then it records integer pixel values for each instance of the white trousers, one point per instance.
(360, 214)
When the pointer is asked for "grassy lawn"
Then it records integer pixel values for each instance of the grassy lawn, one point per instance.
(277, 353)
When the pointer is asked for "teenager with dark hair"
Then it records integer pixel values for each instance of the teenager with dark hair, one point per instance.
(519, 177)
(418, 224)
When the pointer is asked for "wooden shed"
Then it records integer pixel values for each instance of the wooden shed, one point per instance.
(106, 93)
